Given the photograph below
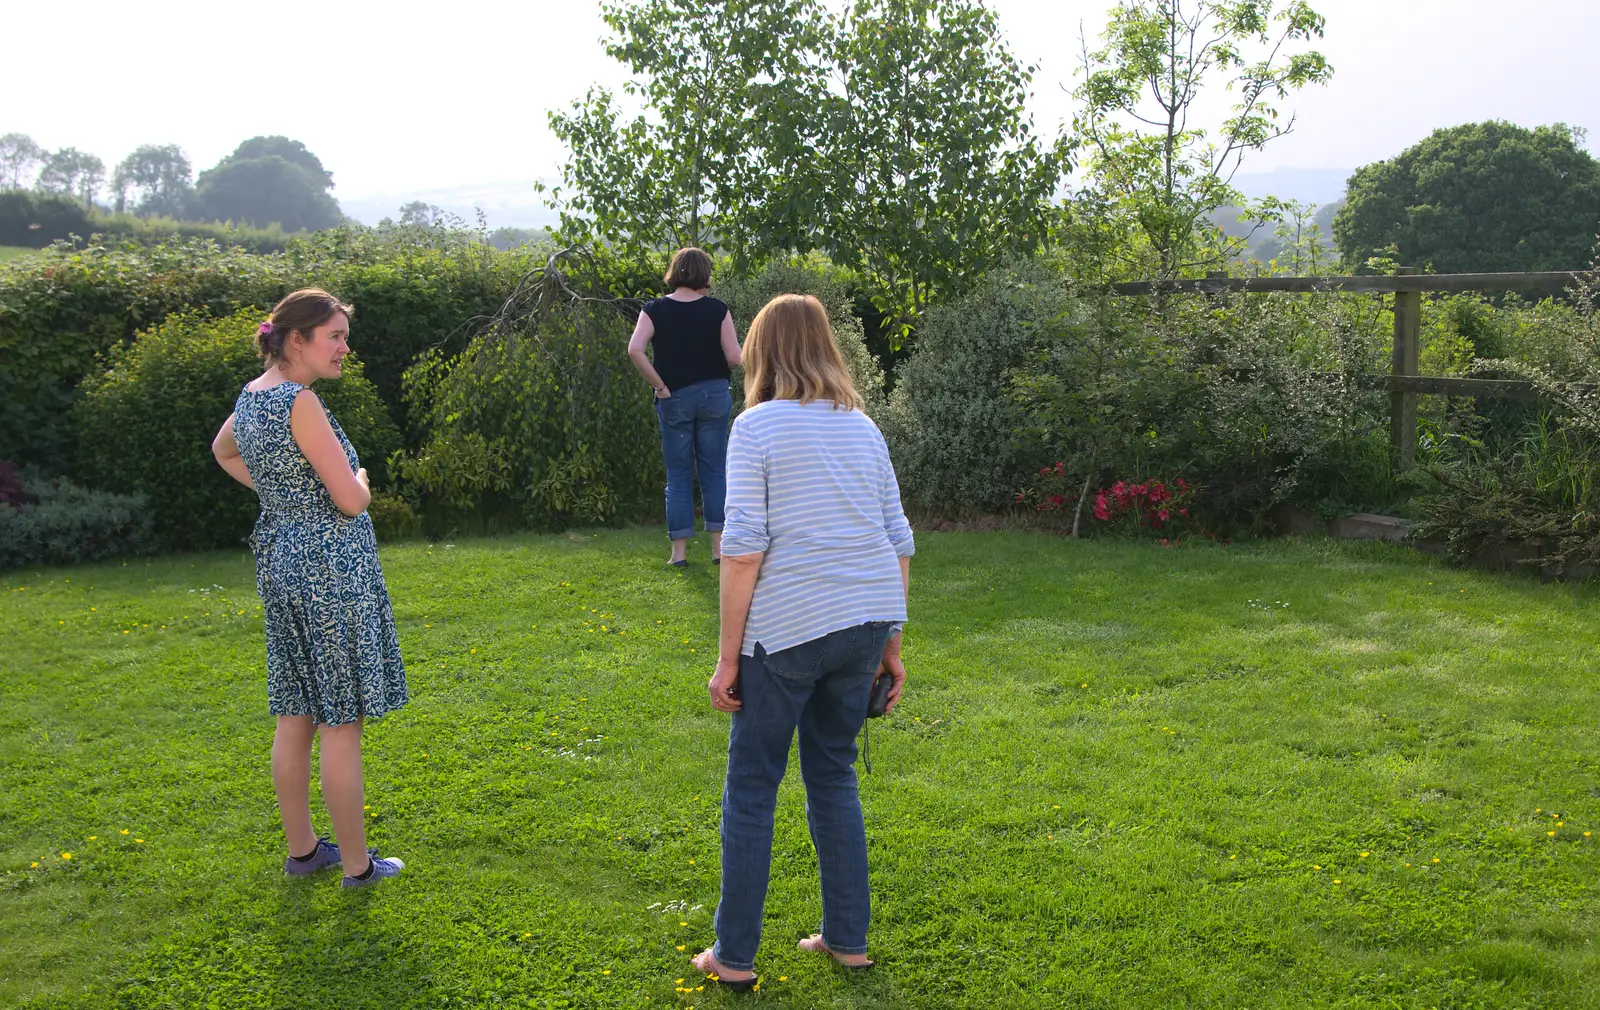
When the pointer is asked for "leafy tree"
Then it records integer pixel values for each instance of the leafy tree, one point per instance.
(292, 151)
(420, 212)
(1478, 197)
(1139, 92)
(711, 161)
(19, 156)
(160, 178)
(930, 171)
(269, 180)
(74, 172)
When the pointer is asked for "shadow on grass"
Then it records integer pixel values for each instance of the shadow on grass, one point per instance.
(321, 946)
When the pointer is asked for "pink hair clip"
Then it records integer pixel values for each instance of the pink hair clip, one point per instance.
(264, 329)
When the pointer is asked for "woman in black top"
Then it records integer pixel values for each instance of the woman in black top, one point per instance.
(695, 349)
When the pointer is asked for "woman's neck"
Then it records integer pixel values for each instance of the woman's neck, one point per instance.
(293, 372)
(686, 294)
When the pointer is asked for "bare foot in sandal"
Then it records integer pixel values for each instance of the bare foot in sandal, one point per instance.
(815, 945)
(707, 964)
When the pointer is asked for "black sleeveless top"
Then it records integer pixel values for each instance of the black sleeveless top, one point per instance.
(688, 340)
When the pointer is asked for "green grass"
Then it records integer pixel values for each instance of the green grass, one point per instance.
(1110, 785)
(12, 252)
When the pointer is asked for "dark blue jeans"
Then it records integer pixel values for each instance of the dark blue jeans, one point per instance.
(822, 687)
(694, 436)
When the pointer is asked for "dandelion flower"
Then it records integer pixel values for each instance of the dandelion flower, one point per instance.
(1336, 882)
(1550, 833)
(34, 866)
(526, 935)
(691, 862)
(1365, 855)
(1561, 824)
(783, 978)
(1314, 866)
(1586, 834)
(683, 923)
(678, 982)
(681, 946)
(1436, 859)
(606, 972)
(67, 856)
(124, 830)
(93, 837)
(138, 841)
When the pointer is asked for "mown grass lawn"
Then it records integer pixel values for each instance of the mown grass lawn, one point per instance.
(11, 252)
(1284, 775)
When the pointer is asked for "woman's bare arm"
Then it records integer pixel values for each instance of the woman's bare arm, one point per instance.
(314, 435)
(643, 330)
(730, 343)
(227, 452)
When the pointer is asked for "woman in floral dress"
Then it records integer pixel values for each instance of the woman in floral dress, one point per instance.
(333, 658)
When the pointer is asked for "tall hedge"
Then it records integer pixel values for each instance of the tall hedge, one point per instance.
(62, 309)
(145, 423)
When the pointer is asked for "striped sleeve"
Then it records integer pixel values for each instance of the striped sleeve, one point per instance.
(744, 529)
(894, 516)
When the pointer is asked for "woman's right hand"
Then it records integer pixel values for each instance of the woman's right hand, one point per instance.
(663, 393)
(361, 476)
(896, 670)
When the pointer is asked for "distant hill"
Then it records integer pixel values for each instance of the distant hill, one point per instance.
(505, 204)
(1304, 185)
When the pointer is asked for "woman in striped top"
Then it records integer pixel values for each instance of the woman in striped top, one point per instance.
(817, 563)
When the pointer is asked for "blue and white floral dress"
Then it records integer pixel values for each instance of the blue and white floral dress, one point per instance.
(332, 650)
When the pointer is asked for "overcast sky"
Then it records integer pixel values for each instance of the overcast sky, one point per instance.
(403, 99)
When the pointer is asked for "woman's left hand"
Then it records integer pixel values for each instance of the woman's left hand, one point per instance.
(724, 686)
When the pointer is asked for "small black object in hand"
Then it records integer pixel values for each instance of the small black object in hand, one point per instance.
(879, 703)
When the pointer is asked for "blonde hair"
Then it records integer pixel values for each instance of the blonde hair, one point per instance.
(791, 354)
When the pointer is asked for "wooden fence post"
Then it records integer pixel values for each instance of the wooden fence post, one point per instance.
(1404, 361)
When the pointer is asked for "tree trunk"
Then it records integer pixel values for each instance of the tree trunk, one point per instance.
(1077, 514)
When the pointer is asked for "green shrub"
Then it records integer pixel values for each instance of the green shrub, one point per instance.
(64, 307)
(951, 421)
(811, 275)
(393, 517)
(545, 400)
(68, 525)
(145, 423)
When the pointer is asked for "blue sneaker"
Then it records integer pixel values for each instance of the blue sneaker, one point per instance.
(382, 869)
(327, 855)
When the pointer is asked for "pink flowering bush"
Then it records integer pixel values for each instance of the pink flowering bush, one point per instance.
(1126, 507)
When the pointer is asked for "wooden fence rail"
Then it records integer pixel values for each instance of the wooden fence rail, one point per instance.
(1408, 287)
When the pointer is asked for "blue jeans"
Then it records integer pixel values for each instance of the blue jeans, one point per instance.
(822, 687)
(694, 435)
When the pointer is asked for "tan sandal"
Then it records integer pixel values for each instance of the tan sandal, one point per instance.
(707, 964)
(815, 945)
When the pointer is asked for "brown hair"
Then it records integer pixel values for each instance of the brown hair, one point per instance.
(791, 354)
(302, 310)
(691, 268)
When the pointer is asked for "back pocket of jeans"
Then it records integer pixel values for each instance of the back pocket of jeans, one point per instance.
(798, 662)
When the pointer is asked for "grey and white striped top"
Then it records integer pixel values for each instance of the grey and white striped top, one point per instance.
(812, 486)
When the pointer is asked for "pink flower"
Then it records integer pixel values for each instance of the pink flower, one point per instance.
(264, 329)
(1162, 515)
(1181, 485)
(1184, 513)
(1101, 510)
(1119, 489)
